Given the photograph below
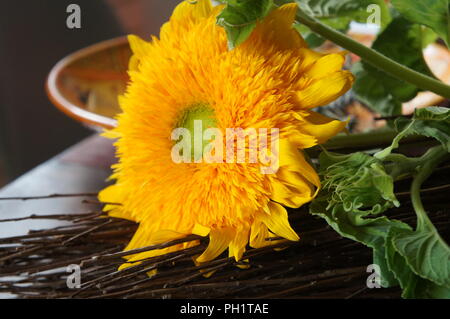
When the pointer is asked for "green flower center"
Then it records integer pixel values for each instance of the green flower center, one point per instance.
(197, 112)
(192, 116)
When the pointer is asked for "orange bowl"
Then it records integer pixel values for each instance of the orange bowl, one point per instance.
(85, 84)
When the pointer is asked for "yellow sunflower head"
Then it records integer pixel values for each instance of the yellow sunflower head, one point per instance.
(188, 76)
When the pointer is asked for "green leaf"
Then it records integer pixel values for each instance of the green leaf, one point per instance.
(338, 14)
(312, 39)
(431, 121)
(239, 18)
(370, 89)
(356, 10)
(368, 231)
(432, 13)
(356, 189)
(426, 253)
(387, 277)
(428, 36)
(413, 286)
(358, 182)
(402, 42)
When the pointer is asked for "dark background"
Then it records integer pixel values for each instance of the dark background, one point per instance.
(33, 38)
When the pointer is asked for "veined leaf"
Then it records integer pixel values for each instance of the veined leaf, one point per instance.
(413, 285)
(370, 90)
(388, 278)
(426, 253)
(338, 14)
(431, 121)
(402, 42)
(357, 10)
(239, 18)
(432, 13)
(368, 231)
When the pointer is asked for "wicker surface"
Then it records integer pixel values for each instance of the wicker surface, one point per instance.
(320, 265)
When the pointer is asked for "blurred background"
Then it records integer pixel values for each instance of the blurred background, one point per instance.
(33, 38)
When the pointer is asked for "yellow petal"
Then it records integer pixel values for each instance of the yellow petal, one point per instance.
(325, 90)
(308, 57)
(302, 140)
(292, 159)
(145, 237)
(163, 236)
(111, 194)
(237, 245)
(321, 126)
(111, 134)
(138, 46)
(114, 194)
(151, 273)
(326, 65)
(133, 64)
(192, 10)
(200, 230)
(258, 234)
(136, 259)
(139, 240)
(277, 28)
(292, 196)
(118, 212)
(278, 222)
(218, 242)
(244, 264)
(185, 15)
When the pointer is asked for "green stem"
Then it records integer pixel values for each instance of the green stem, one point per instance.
(401, 166)
(430, 161)
(373, 139)
(375, 58)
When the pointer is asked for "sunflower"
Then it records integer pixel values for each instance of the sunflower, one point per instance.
(272, 80)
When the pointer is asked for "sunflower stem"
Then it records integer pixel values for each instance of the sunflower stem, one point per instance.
(373, 57)
(373, 139)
